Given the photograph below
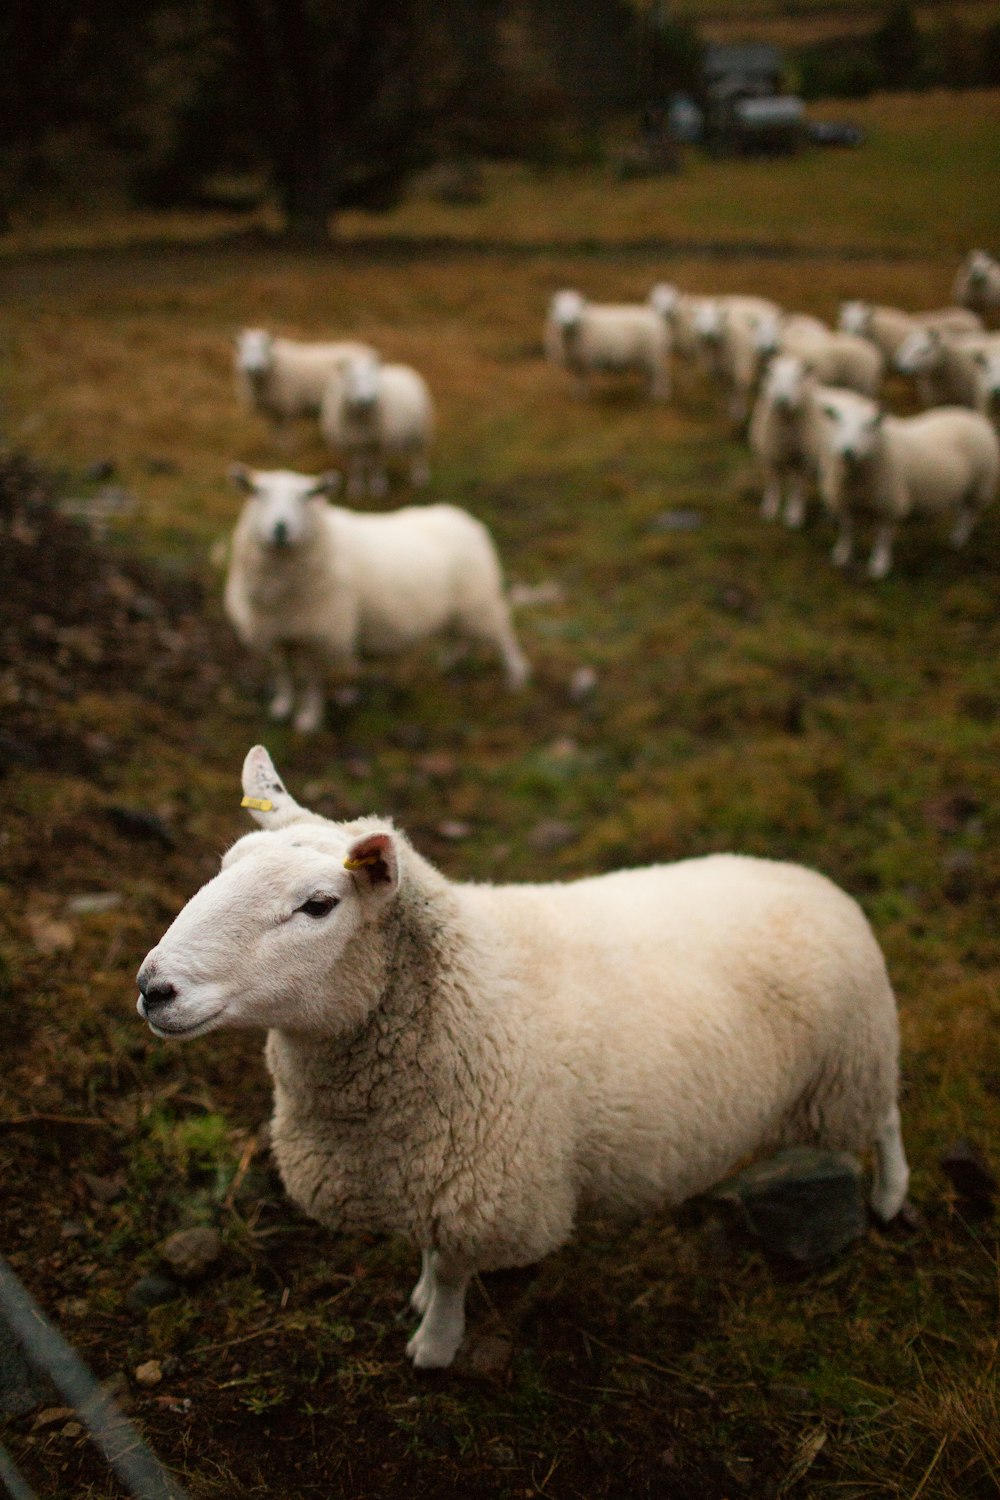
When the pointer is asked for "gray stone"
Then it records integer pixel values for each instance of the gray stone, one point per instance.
(677, 520)
(803, 1204)
(190, 1252)
(151, 1291)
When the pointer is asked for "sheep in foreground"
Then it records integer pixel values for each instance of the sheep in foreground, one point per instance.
(779, 437)
(595, 338)
(977, 284)
(943, 462)
(376, 416)
(834, 357)
(943, 365)
(472, 1065)
(888, 327)
(312, 585)
(285, 379)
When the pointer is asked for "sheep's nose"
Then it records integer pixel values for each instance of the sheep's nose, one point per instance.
(281, 534)
(155, 992)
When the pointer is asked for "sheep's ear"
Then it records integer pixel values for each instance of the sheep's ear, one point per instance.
(241, 478)
(264, 794)
(373, 862)
(326, 484)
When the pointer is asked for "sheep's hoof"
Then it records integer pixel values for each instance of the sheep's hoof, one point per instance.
(429, 1353)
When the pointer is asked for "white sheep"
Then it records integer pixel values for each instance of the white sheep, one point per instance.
(284, 378)
(727, 328)
(977, 284)
(606, 338)
(888, 327)
(943, 365)
(834, 357)
(376, 416)
(680, 312)
(779, 436)
(942, 462)
(472, 1065)
(312, 585)
(986, 383)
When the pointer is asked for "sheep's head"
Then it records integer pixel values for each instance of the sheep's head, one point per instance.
(254, 351)
(987, 378)
(785, 382)
(977, 268)
(708, 321)
(767, 334)
(855, 317)
(566, 309)
(361, 382)
(919, 351)
(663, 299)
(853, 424)
(282, 504)
(273, 939)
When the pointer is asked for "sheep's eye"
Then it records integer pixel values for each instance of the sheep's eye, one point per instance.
(318, 906)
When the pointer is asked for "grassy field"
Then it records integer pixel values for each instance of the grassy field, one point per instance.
(799, 23)
(748, 696)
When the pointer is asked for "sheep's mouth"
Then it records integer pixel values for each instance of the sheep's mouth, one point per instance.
(158, 1028)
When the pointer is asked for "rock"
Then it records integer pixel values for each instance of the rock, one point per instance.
(582, 684)
(149, 1374)
(49, 934)
(453, 829)
(135, 824)
(677, 520)
(488, 1356)
(550, 834)
(151, 1291)
(969, 1173)
(190, 1252)
(94, 903)
(51, 1415)
(71, 1430)
(804, 1204)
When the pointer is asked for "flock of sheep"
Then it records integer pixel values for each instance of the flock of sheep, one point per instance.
(470, 1065)
(810, 394)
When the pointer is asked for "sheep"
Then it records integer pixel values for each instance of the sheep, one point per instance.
(313, 585)
(888, 327)
(375, 415)
(471, 1065)
(779, 435)
(595, 338)
(835, 358)
(729, 325)
(945, 461)
(977, 284)
(986, 383)
(943, 365)
(285, 379)
(680, 312)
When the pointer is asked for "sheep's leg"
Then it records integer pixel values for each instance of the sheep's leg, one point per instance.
(770, 501)
(843, 547)
(965, 519)
(378, 483)
(737, 407)
(436, 1341)
(892, 1175)
(421, 1295)
(659, 383)
(309, 715)
(356, 480)
(881, 559)
(420, 473)
(795, 505)
(280, 707)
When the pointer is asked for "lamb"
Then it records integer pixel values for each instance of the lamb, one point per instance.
(977, 284)
(285, 379)
(313, 585)
(594, 338)
(779, 435)
(835, 358)
(374, 416)
(986, 383)
(471, 1065)
(944, 365)
(943, 462)
(888, 327)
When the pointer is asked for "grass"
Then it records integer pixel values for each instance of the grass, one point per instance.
(748, 696)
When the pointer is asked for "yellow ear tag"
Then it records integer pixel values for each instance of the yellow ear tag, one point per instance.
(359, 864)
(259, 804)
